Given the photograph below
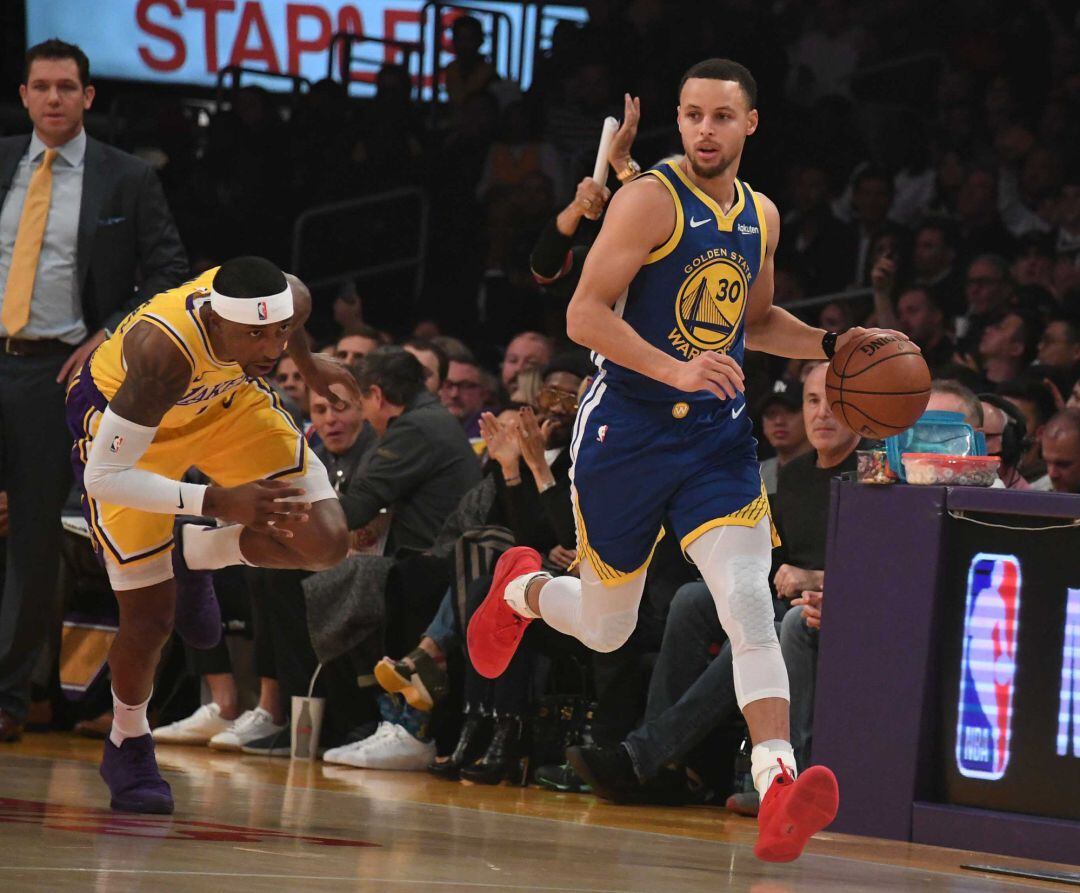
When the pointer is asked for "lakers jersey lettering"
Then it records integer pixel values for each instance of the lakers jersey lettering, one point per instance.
(176, 314)
(691, 294)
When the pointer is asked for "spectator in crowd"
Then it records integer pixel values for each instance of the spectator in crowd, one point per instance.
(85, 236)
(352, 347)
(785, 431)
(816, 246)
(282, 634)
(469, 74)
(1059, 345)
(1033, 261)
(987, 289)
(979, 224)
(1061, 451)
(802, 504)
(466, 393)
(1007, 346)
(422, 463)
(1034, 400)
(1005, 430)
(289, 380)
(529, 349)
(871, 198)
(921, 318)
(933, 263)
(434, 360)
(947, 395)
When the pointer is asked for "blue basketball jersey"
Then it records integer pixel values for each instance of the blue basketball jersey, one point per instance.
(691, 293)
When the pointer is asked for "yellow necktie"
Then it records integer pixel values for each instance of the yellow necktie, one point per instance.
(24, 259)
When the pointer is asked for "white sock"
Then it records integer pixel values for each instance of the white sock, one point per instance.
(128, 721)
(210, 548)
(763, 762)
(514, 594)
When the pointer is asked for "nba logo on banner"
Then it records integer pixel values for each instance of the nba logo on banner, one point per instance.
(988, 666)
(261, 308)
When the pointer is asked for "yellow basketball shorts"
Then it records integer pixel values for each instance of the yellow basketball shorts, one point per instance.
(246, 436)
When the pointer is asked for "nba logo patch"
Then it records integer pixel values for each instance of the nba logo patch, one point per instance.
(261, 308)
(988, 666)
(117, 442)
(601, 433)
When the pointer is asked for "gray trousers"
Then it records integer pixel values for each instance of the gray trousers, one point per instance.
(799, 644)
(35, 469)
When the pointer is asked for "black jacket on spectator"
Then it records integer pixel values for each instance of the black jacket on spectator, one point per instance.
(541, 520)
(124, 226)
(801, 508)
(419, 469)
(342, 470)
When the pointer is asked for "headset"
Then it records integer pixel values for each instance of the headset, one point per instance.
(1014, 437)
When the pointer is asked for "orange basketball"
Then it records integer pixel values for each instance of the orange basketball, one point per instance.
(878, 385)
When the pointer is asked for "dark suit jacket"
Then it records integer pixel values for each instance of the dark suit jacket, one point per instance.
(124, 226)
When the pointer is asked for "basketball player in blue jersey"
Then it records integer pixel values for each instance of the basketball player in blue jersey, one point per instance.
(677, 284)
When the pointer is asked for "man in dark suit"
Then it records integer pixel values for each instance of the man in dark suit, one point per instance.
(78, 219)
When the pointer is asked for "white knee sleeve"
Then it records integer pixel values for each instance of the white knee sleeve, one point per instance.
(734, 562)
(600, 617)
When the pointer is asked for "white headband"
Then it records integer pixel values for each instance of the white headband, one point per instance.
(254, 311)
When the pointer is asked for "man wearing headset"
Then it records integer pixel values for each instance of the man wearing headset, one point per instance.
(1006, 436)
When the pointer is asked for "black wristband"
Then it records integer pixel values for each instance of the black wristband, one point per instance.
(828, 344)
(549, 254)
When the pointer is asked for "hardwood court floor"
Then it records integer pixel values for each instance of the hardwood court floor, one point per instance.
(261, 824)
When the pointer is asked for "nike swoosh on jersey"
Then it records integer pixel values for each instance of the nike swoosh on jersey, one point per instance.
(694, 224)
(735, 413)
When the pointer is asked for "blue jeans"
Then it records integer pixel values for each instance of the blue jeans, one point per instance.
(799, 645)
(690, 692)
(443, 627)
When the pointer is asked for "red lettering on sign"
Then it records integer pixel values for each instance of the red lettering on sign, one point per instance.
(252, 18)
(350, 20)
(142, 18)
(294, 12)
(210, 10)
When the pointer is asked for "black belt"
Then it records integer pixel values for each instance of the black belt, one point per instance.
(25, 347)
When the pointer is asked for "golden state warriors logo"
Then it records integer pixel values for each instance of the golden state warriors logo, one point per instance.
(710, 304)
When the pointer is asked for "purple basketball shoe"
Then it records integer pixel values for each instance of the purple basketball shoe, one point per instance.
(131, 772)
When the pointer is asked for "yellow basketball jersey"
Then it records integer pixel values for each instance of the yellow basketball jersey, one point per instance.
(176, 313)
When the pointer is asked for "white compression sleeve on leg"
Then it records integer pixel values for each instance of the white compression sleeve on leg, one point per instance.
(110, 475)
(600, 617)
(734, 562)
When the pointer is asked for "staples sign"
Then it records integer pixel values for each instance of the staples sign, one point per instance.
(189, 41)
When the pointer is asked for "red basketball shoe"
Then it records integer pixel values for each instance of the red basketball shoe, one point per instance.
(496, 629)
(793, 810)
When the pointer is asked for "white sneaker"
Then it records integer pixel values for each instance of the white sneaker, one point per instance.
(341, 755)
(394, 749)
(249, 726)
(199, 728)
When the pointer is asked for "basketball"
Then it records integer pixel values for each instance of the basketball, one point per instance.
(878, 385)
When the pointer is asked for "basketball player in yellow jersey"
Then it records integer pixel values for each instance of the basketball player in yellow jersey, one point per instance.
(179, 384)
(678, 282)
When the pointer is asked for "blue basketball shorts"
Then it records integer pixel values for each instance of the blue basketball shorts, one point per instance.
(635, 462)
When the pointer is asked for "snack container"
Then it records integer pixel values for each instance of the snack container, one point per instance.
(962, 471)
(873, 468)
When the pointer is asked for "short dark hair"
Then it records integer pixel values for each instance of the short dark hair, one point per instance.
(467, 21)
(396, 372)
(1034, 391)
(941, 225)
(249, 277)
(873, 172)
(423, 345)
(57, 49)
(723, 70)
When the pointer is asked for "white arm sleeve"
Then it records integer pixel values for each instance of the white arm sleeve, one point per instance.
(111, 477)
